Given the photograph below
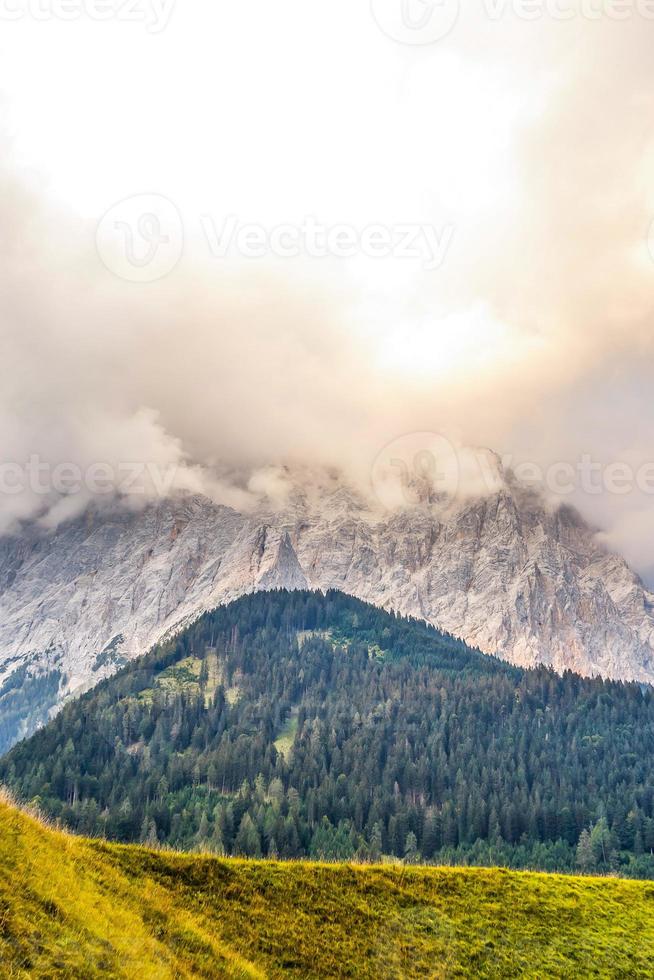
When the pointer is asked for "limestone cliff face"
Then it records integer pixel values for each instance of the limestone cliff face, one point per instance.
(505, 572)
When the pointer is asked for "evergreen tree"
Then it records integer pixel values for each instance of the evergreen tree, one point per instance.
(585, 857)
(376, 843)
(411, 849)
(396, 729)
(247, 841)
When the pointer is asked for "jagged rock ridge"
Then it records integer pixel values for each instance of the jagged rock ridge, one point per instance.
(505, 572)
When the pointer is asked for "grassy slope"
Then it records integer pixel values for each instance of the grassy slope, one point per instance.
(71, 907)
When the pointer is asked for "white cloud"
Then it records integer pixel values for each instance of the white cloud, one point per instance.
(532, 140)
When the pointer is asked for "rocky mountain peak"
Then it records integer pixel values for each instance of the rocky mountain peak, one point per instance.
(503, 570)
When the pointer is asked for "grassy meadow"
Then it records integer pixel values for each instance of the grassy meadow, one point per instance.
(73, 907)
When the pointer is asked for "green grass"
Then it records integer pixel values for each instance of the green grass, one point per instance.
(337, 638)
(184, 677)
(71, 907)
(286, 738)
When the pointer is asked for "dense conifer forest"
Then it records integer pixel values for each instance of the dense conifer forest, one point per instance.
(302, 725)
(25, 703)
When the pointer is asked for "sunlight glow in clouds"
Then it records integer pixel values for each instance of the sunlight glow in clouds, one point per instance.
(529, 138)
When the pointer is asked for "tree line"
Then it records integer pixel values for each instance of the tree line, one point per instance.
(299, 725)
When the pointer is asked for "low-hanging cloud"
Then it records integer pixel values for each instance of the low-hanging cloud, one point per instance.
(219, 372)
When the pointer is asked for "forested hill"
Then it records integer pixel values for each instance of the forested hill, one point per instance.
(297, 724)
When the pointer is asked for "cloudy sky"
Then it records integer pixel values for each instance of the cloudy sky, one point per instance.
(241, 234)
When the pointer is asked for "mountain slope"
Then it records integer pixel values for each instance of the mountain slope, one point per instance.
(75, 907)
(505, 572)
(296, 724)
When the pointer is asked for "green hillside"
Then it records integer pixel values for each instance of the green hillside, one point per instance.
(309, 726)
(72, 907)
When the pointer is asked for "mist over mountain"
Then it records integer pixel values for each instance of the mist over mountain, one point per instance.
(537, 325)
(326, 485)
(504, 570)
